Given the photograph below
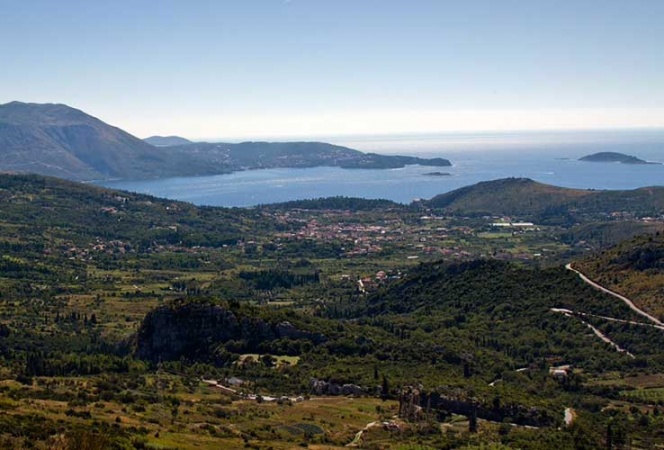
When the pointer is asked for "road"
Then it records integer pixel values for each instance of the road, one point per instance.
(627, 301)
(610, 319)
(598, 333)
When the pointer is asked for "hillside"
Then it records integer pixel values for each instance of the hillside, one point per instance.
(506, 196)
(478, 296)
(86, 214)
(57, 140)
(264, 155)
(526, 198)
(193, 331)
(634, 268)
(613, 157)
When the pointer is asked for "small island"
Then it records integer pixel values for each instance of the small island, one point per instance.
(437, 174)
(614, 157)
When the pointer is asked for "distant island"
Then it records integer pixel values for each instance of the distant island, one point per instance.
(614, 157)
(167, 141)
(57, 140)
(437, 174)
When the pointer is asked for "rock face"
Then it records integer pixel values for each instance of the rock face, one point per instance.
(414, 403)
(194, 330)
(321, 387)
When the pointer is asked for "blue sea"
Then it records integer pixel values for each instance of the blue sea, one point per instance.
(550, 157)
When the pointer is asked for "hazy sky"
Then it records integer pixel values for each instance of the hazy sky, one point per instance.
(257, 68)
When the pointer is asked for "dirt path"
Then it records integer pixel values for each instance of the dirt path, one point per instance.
(358, 436)
(627, 301)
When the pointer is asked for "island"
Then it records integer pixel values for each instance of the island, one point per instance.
(437, 174)
(614, 157)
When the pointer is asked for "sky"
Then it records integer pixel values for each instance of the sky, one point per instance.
(230, 69)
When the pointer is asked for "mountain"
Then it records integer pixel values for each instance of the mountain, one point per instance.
(57, 140)
(54, 139)
(524, 197)
(613, 157)
(167, 141)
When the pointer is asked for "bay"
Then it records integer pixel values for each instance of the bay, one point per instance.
(550, 158)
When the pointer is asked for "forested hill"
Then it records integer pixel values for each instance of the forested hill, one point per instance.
(339, 203)
(525, 197)
(510, 307)
(43, 208)
(634, 268)
(57, 140)
(265, 155)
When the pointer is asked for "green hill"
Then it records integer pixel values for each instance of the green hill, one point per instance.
(521, 196)
(49, 209)
(524, 197)
(508, 306)
(634, 268)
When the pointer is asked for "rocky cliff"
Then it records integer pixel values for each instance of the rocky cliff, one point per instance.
(193, 330)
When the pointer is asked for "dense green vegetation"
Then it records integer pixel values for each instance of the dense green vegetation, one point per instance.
(338, 203)
(114, 308)
(523, 197)
(635, 268)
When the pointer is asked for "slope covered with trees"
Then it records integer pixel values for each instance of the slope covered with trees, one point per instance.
(634, 268)
(524, 197)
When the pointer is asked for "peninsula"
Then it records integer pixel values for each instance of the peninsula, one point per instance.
(57, 140)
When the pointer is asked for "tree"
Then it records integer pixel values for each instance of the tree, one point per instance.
(472, 420)
(385, 388)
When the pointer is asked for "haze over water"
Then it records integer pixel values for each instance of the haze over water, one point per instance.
(548, 157)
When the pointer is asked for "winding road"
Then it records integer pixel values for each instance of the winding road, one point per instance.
(598, 333)
(627, 301)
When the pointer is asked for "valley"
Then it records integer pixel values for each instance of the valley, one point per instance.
(319, 317)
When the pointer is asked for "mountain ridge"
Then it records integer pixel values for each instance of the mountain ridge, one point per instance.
(58, 140)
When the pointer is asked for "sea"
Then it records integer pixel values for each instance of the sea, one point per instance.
(547, 157)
